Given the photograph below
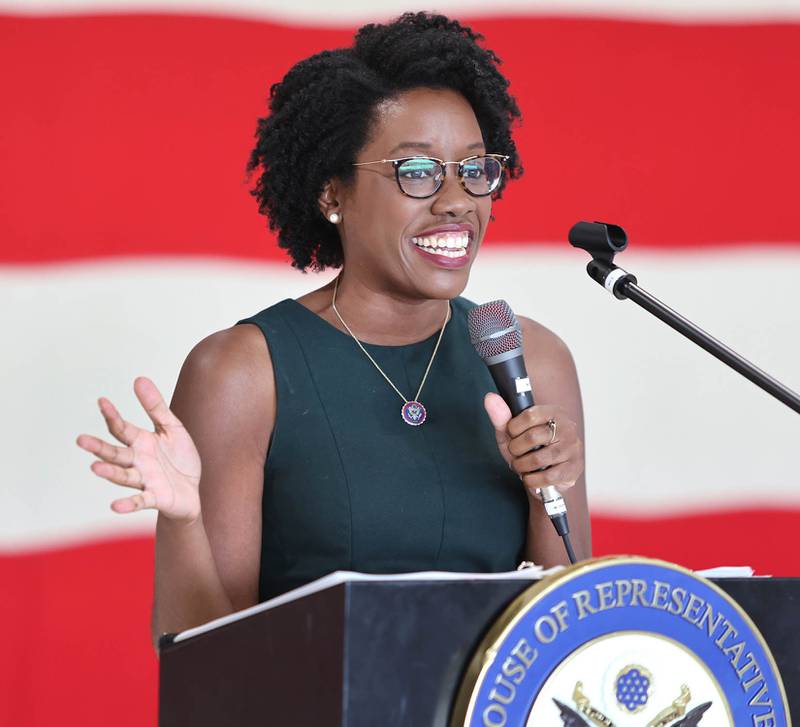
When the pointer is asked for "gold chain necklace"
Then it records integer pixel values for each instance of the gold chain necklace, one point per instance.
(413, 412)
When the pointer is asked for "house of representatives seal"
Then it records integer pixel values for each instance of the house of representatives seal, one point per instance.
(622, 642)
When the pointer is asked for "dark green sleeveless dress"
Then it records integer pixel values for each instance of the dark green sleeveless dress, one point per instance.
(348, 485)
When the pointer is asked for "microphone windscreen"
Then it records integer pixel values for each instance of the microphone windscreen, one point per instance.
(494, 329)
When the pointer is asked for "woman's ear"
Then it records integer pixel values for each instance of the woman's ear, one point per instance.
(329, 202)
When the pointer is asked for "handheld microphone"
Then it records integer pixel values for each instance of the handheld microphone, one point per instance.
(497, 337)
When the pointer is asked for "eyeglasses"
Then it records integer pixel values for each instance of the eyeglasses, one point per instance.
(422, 177)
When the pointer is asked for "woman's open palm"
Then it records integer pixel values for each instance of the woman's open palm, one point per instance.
(163, 465)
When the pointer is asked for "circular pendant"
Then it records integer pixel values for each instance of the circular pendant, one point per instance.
(413, 413)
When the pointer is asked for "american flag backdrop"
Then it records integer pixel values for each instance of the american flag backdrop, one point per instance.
(127, 235)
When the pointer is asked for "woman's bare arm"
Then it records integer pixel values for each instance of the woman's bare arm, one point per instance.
(225, 399)
(555, 382)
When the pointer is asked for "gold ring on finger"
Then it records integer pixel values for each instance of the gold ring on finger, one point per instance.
(551, 423)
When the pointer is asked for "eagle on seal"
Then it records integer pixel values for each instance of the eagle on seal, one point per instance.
(571, 718)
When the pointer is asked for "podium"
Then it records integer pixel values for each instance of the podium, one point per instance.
(388, 653)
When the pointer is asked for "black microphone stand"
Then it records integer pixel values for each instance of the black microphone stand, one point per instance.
(602, 241)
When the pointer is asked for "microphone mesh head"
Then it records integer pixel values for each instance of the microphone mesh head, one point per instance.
(494, 329)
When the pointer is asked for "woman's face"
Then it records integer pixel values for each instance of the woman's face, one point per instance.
(394, 242)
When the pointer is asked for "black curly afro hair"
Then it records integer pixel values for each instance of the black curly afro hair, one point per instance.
(321, 112)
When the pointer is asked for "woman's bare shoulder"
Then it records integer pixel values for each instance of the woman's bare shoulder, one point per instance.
(234, 351)
(540, 340)
(228, 377)
(550, 365)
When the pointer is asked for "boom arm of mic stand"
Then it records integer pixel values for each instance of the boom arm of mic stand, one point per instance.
(624, 285)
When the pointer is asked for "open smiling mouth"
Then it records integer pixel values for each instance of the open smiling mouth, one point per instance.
(449, 245)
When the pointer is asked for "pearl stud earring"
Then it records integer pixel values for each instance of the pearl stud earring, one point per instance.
(334, 218)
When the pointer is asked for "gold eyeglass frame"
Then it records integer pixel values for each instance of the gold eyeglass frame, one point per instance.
(502, 158)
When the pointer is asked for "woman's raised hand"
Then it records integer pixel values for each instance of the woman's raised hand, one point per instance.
(163, 465)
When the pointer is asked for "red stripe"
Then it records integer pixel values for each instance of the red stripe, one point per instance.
(76, 648)
(765, 540)
(76, 637)
(128, 134)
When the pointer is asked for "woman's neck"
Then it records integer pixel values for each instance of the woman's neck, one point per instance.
(377, 316)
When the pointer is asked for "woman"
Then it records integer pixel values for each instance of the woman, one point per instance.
(383, 159)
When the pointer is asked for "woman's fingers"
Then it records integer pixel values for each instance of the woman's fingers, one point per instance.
(537, 436)
(534, 417)
(124, 431)
(133, 503)
(150, 398)
(127, 476)
(564, 475)
(160, 466)
(544, 457)
(107, 452)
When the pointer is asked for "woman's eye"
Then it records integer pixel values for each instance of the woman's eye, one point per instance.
(473, 172)
(417, 171)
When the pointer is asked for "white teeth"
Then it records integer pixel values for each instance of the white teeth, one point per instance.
(448, 245)
(446, 253)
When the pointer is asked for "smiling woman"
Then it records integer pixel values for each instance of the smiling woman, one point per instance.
(430, 224)
(287, 452)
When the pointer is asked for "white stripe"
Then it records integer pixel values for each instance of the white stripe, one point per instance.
(318, 12)
(668, 427)
(88, 330)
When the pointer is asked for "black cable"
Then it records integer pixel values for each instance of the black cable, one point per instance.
(568, 546)
(562, 528)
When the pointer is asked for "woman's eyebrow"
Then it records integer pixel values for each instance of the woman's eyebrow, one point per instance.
(410, 145)
(426, 146)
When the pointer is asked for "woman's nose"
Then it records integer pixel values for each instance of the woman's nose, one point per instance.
(451, 198)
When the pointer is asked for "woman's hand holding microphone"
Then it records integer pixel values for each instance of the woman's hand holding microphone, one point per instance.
(540, 453)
